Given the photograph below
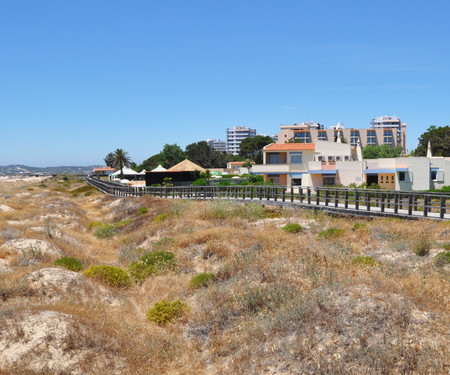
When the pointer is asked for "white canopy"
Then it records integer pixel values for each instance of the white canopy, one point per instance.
(142, 172)
(126, 171)
(159, 168)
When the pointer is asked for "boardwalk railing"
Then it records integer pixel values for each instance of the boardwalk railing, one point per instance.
(355, 201)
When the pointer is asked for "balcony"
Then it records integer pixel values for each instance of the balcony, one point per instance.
(277, 168)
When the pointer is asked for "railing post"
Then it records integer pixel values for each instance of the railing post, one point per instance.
(283, 194)
(327, 193)
(336, 198)
(382, 202)
(367, 201)
(292, 194)
(317, 196)
(442, 207)
(410, 204)
(308, 193)
(425, 205)
(396, 203)
(275, 193)
(346, 199)
(415, 202)
(300, 194)
(356, 197)
(251, 193)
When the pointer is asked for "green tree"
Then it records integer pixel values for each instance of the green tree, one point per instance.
(171, 155)
(251, 148)
(201, 153)
(151, 163)
(382, 151)
(109, 160)
(439, 137)
(121, 159)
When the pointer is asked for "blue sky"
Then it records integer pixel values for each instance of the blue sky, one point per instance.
(82, 78)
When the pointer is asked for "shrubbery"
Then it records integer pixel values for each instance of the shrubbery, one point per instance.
(108, 230)
(142, 210)
(201, 280)
(358, 226)
(150, 264)
(329, 233)
(364, 260)
(292, 228)
(446, 246)
(71, 264)
(422, 247)
(200, 182)
(161, 217)
(164, 312)
(110, 275)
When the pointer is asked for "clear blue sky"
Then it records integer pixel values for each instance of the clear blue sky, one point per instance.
(82, 78)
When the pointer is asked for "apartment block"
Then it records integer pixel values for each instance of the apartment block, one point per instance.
(235, 137)
(384, 130)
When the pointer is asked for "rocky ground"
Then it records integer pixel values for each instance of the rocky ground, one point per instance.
(340, 296)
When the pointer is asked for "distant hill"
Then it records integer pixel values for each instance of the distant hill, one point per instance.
(24, 169)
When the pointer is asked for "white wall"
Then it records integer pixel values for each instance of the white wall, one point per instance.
(350, 172)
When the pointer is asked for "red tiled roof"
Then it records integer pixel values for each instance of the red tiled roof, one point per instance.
(289, 147)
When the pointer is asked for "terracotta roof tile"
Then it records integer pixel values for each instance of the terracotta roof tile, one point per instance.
(289, 147)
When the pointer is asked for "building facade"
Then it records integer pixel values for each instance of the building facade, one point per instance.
(235, 137)
(217, 144)
(384, 130)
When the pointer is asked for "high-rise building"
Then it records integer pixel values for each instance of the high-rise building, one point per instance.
(217, 144)
(235, 137)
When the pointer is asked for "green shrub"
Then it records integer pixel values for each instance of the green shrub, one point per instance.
(422, 247)
(69, 263)
(224, 183)
(164, 312)
(122, 223)
(106, 231)
(442, 258)
(110, 275)
(142, 210)
(95, 224)
(161, 217)
(200, 182)
(358, 226)
(201, 280)
(150, 264)
(329, 233)
(292, 228)
(364, 260)
(446, 246)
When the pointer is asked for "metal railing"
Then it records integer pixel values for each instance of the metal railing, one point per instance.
(370, 202)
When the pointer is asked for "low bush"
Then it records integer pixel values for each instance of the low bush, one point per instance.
(422, 247)
(358, 226)
(364, 260)
(292, 228)
(201, 280)
(107, 230)
(329, 233)
(71, 264)
(151, 264)
(160, 218)
(142, 210)
(200, 182)
(164, 312)
(110, 275)
(446, 246)
(442, 258)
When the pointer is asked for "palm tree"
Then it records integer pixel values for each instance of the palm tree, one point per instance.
(121, 159)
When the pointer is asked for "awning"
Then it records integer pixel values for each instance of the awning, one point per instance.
(330, 171)
(295, 175)
(376, 171)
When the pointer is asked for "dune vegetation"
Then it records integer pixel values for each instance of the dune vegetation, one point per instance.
(92, 284)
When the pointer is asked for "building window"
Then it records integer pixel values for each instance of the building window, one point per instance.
(322, 135)
(338, 134)
(402, 176)
(296, 157)
(328, 180)
(274, 159)
(387, 137)
(381, 178)
(371, 137)
(303, 137)
(354, 137)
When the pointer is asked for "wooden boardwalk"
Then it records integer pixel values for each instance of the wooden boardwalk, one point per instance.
(361, 202)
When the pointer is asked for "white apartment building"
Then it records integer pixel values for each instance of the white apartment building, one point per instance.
(235, 137)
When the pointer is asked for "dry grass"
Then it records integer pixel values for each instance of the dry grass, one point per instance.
(280, 303)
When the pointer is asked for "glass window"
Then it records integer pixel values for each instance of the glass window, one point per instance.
(296, 158)
(401, 176)
(303, 137)
(274, 159)
(322, 135)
